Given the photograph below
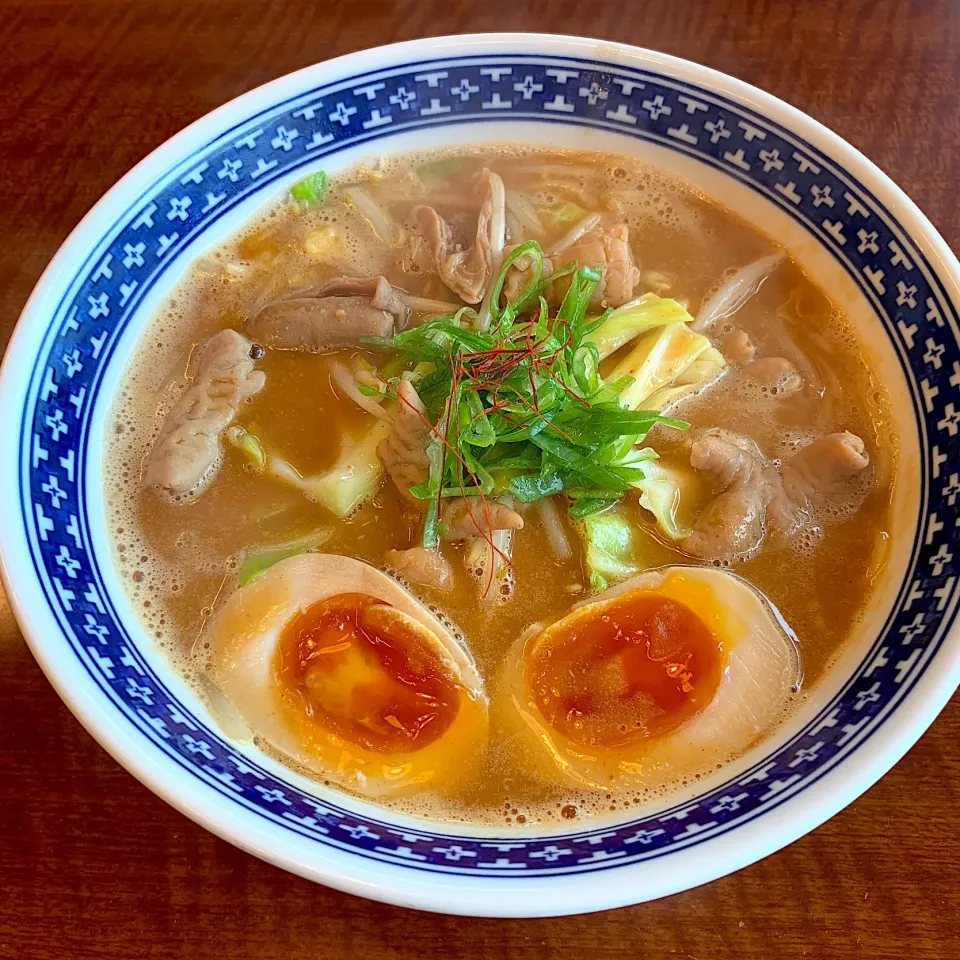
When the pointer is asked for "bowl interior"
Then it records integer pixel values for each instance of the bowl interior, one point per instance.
(876, 258)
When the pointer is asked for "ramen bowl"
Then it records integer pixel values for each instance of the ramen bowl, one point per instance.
(843, 221)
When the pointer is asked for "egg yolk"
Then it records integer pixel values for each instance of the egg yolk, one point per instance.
(364, 673)
(637, 666)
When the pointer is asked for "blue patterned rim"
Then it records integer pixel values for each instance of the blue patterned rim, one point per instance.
(106, 290)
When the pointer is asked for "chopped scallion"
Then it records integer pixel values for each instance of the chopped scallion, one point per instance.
(521, 407)
(310, 191)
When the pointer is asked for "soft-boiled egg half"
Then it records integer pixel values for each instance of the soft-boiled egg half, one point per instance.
(666, 675)
(337, 666)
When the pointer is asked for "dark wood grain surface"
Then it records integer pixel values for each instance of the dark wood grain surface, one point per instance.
(94, 866)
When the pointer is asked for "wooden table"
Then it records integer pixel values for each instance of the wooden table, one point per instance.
(92, 865)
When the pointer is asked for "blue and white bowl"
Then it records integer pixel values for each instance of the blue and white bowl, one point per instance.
(843, 220)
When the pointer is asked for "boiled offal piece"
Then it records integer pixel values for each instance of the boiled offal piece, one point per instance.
(757, 500)
(383, 295)
(188, 447)
(428, 568)
(777, 374)
(610, 251)
(403, 452)
(731, 525)
(809, 474)
(331, 317)
(466, 272)
(465, 517)
(737, 347)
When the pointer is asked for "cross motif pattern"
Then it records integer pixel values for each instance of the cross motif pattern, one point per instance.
(656, 107)
(464, 90)
(770, 160)
(821, 196)
(718, 130)
(343, 113)
(230, 169)
(594, 93)
(403, 98)
(528, 87)
(178, 208)
(284, 138)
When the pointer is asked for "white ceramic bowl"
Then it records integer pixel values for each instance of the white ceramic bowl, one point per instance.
(843, 220)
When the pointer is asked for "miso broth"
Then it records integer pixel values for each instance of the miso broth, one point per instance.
(180, 556)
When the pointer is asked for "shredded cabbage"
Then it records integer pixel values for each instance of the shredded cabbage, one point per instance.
(658, 358)
(660, 494)
(351, 480)
(707, 368)
(609, 540)
(565, 213)
(633, 318)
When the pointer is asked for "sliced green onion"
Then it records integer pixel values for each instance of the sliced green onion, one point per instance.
(590, 506)
(521, 407)
(263, 558)
(248, 444)
(310, 191)
(503, 316)
(369, 391)
(529, 488)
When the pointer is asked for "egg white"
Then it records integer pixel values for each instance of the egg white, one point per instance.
(244, 638)
(760, 672)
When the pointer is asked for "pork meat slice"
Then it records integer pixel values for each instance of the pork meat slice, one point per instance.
(731, 525)
(335, 315)
(403, 452)
(466, 272)
(811, 474)
(464, 517)
(610, 251)
(418, 565)
(188, 447)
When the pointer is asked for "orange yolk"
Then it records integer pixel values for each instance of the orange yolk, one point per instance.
(365, 675)
(637, 667)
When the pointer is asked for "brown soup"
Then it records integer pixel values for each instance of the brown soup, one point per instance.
(180, 556)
